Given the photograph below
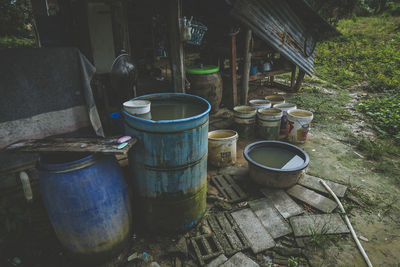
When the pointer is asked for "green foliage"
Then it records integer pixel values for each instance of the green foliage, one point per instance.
(321, 239)
(14, 17)
(384, 112)
(366, 54)
(292, 262)
(333, 10)
(15, 42)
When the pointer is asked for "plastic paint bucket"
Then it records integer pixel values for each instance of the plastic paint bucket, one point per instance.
(269, 122)
(298, 124)
(260, 103)
(275, 99)
(285, 107)
(139, 108)
(222, 147)
(245, 119)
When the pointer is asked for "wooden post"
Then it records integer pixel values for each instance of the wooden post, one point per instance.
(293, 77)
(176, 46)
(233, 68)
(246, 66)
(299, 80)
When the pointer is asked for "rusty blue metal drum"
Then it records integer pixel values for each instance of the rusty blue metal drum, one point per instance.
(87, 202)
(169, 165)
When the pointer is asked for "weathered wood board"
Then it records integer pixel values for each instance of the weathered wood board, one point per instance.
(307, 225)
(93, 145)
(312, 198)
(270, 218)
(286, 206)
(312, 182)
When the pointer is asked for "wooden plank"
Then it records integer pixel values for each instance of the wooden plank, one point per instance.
(299, 80)
(267, 74)
(313, 182)
(253, 230)
(293, 77)
(270, 218)
(262, 53)
(176, 46)
(93, 145)
(286, 206)
(246, 67)
(308, 225)
(312, 198)
(233, 68)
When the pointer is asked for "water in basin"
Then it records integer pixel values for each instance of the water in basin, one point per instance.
(276, 157)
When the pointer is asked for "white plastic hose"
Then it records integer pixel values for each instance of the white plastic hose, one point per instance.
(26, 186)
(353, 233)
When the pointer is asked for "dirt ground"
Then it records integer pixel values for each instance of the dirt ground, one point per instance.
(372, 203)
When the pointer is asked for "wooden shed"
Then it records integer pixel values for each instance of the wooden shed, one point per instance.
(239, 31)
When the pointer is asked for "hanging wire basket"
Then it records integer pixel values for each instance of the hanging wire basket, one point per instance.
(197, 33)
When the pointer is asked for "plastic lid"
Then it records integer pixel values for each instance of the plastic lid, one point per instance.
(202, 69)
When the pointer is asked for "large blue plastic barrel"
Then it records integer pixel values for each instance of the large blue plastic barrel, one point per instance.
(169, 166)
(87, 201)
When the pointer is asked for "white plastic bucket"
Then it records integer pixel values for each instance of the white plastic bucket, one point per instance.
(285, 107)
(245, 120)
(244, 114)
(139, 108)
(275, 99)
(260, 103)
(269, 122)
(298, 124)
(222, 147)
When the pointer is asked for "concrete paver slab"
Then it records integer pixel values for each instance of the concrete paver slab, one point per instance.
(312, 182)
(217, 261)
(270, 217)
(227, 232)
(239, 259)
(286, 206)
(307, 225)
(228, 188)
(258, 237)
(312, 198)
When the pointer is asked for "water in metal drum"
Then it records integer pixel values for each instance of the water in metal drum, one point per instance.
(174, 110)
(273, 157)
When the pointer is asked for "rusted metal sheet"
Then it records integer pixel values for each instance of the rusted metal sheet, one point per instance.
(285, 28)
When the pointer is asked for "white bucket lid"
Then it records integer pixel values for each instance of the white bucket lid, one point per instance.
(137, 106)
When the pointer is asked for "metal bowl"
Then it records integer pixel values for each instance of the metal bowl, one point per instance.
(273, 177)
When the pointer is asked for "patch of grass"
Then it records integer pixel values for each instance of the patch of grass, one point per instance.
(385, 153)
(369, 203)
(326, 106)
(370, 149)
(296, 262)
(321, 239)
(367, 51)
(384, 113)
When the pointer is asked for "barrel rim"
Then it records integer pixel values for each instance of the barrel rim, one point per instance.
(67, 166)
(234, 136)
(206, 69)
(276, 144)
(162, 122)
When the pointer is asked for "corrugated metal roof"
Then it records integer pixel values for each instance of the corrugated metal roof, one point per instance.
(291, 28)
